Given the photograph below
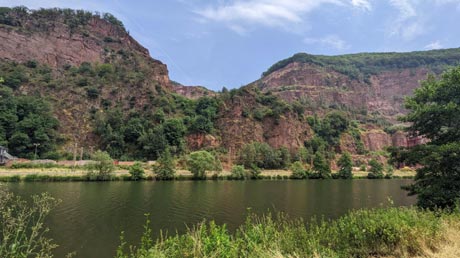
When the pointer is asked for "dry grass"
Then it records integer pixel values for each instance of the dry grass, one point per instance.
(451, 247)
(180, 172)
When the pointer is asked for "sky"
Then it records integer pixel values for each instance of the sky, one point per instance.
(217, 43)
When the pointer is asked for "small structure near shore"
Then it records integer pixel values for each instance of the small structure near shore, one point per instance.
(4, 155)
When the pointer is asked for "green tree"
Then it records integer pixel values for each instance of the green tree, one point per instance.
(238, 172)
(136, 171)
(376, 169)
(102, 166)
(321, 166)
(165, 169)
(435, 115)
(153, 142)
(298, 170)
(199, 162)
(346, 166)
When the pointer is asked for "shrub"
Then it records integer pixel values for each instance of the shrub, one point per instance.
(136, 171)
(199, 162)
(102, 168)
(346, 166)
(376, 169)
(238, 172)
(165, 168)
(298, 170)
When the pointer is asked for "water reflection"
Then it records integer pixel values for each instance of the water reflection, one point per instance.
(92, 215)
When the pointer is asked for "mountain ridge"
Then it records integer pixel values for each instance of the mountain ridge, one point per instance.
(108, 93)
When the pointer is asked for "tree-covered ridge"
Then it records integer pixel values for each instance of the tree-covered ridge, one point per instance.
(42, 18)
(361, 66)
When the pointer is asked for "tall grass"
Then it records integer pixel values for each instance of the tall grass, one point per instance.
(363, 233)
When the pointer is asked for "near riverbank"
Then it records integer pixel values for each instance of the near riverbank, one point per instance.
(389, 232)
(121, 173)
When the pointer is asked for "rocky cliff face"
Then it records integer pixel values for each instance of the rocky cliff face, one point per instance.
(49, 38)
(90, 62)
(368, 87)
(382, 94)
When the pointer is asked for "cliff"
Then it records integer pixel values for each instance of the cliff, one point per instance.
(108, 93)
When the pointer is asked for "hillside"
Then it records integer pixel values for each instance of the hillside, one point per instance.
(77, 81)
(372, 83)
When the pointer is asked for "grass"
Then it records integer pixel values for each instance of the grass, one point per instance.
(395, 232)
(56, 174)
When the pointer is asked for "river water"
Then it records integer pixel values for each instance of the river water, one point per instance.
(92, 214)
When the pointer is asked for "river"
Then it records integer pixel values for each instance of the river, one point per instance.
(92, 214)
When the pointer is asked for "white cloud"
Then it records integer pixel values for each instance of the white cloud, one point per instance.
(362, 4)
(270, 13)
(331, 41)
(434, 45)
(408, 25)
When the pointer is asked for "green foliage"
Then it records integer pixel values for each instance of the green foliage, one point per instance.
(73, 18)
(362, 66)
(136, 171)
(299, 171)
(199, 162)
(375, 170)
(238, 172)
(25, 121)
(390, 232)
(331, 127)
(346, 166)
(435, 115)
(165, 169)
(102, 168)
(321, 167)
(22, 229)
(33, 165)
(262, 155)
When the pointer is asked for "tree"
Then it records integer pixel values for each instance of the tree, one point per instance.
(321, 166)
(153, 142)
(165, 169)
(375, 170)
(298, 170)
(103, 166)
(435, 116)
(238, 172)
(346, 166)
(199, 162)
(136, 171)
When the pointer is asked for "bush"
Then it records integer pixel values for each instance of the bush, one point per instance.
(376, 169)
(346, 166)
(165, 169)
(254, 171)
(238, 172)
(199, 162)
(298, 170)
(136, 171)
(102, 168)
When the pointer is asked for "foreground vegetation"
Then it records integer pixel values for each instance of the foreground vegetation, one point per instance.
(363, 233)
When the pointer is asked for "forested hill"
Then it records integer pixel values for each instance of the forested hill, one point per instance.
(363, 65)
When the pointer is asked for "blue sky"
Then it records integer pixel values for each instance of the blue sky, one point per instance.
(231, 42)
